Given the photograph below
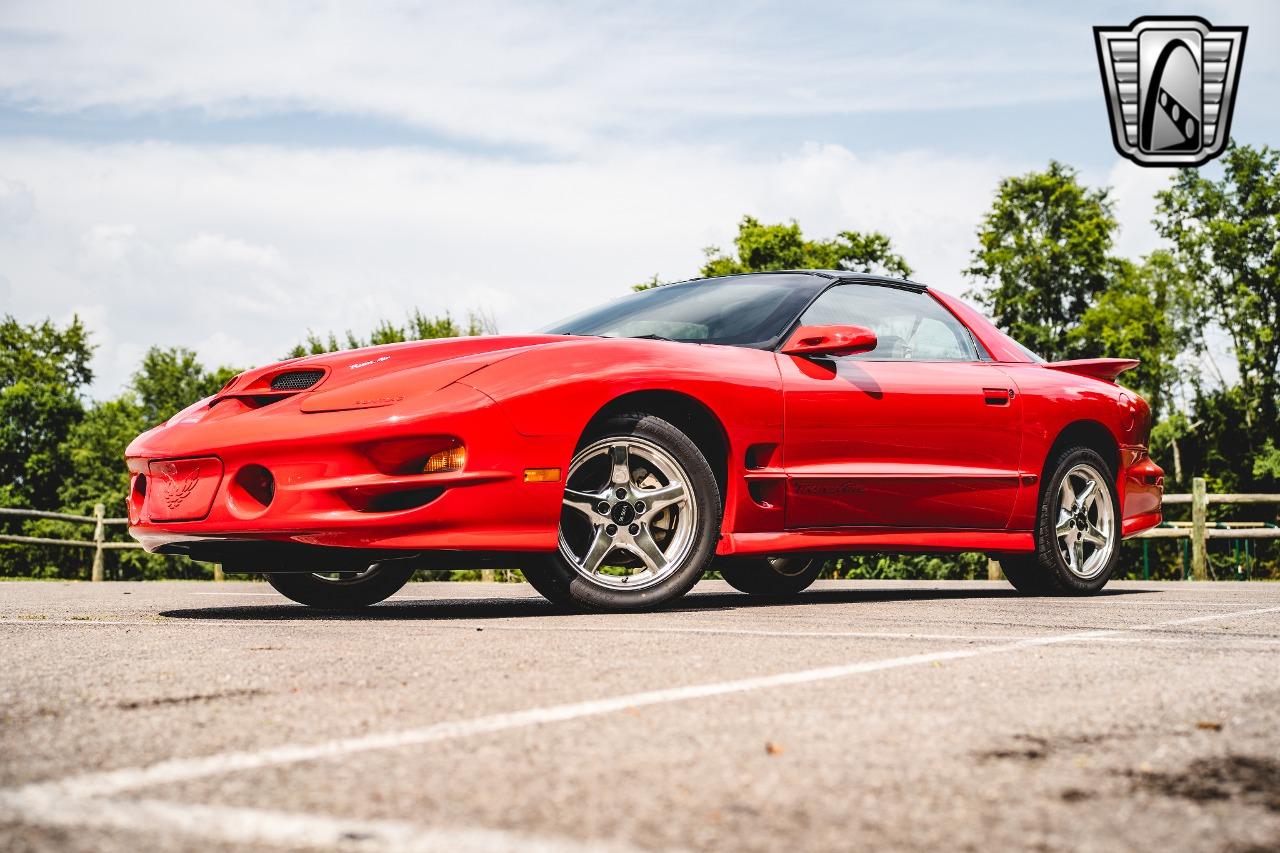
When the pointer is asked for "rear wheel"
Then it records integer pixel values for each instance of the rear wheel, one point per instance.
(773, 577)
(343, 590)
(640, 518)
(1077, 530)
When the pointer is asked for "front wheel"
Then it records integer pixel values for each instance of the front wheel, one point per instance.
(1077, 530)
(770, 577)
(640, 518)
(360, 587)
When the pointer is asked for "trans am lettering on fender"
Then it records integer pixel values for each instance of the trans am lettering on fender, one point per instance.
(750, 424)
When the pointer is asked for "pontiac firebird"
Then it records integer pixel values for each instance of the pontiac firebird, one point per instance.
(755, 425)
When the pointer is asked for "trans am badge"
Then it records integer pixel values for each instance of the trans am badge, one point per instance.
(1170, 85)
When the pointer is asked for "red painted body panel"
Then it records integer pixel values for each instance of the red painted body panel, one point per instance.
(865, 455)
(905, 444)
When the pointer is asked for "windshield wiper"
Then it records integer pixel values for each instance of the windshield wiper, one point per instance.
(653, 338)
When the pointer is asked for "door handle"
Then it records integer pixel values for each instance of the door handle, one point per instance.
(997, 396)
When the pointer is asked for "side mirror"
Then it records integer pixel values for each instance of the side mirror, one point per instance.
(830, 340)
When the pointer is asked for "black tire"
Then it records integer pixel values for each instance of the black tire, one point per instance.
(770, 577)
(548, 581)
(369, 586)
(562, 582)
(1046, 571)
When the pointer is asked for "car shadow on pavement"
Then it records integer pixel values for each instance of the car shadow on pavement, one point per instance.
(524, 606)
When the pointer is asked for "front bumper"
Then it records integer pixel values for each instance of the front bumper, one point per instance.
(332, 487)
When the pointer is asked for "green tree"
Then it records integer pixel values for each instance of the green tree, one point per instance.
(95, 451)
(1226, 235)
(1145, 313)
(762, 248)
(418, 327)
(43, 371)
(1266, 465)
(1043, 257)
(171, 379)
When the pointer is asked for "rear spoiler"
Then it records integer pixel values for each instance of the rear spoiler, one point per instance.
(1106, 369)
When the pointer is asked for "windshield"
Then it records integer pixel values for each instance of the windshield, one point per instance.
(747, 311)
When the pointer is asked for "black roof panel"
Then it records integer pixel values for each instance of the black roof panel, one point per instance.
(835, 275)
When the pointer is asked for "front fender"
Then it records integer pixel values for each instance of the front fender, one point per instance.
(557, 390)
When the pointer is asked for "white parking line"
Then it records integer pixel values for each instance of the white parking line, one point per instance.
(42, 621)
(1176, 601)
(762, 632)
(84, 801)
(256, 827)
(609, 629)
(185, 769)
(663, 629)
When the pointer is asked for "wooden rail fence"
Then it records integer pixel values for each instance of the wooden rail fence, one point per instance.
(98, 543)
(1199, 530)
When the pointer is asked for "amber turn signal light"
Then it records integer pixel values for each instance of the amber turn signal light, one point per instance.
(542, 475)
(450, 459)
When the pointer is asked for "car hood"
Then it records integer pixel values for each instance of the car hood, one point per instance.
(358, 365)
(363, 378)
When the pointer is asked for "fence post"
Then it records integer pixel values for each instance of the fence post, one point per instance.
(993, 570)
(218, 574)
(1199, 542)
(99, 535)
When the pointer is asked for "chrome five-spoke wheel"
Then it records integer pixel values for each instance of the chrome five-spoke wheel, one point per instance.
(1077, 531)
(640, 518)
(1085, 527)
(629, 518)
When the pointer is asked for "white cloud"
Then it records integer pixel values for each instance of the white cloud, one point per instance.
(16, 205)
(219, 250)
(110, 244)
(1133, 190)
(564, 76)
(238, 251)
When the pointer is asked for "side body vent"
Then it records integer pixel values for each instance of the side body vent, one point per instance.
(296, 380)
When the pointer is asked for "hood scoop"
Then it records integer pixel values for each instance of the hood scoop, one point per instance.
(296, 380)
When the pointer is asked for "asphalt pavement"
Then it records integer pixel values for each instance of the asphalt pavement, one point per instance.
(459, 717)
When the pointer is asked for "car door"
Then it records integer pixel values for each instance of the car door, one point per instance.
(924, 431)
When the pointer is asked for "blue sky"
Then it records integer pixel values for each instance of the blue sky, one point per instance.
(228, 176)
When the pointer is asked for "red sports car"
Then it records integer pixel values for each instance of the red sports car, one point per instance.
(752, 424)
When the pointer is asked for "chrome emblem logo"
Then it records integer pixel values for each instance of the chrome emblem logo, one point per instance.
(1170, 84)
(175, 490)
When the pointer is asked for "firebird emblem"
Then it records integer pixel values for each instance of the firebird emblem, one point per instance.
(175, 490)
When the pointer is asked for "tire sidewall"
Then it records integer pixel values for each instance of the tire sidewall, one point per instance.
(566, 584)
(386, 580)
(758, 576)
(1061, 576)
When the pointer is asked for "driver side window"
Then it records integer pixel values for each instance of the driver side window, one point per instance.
(909, 326)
